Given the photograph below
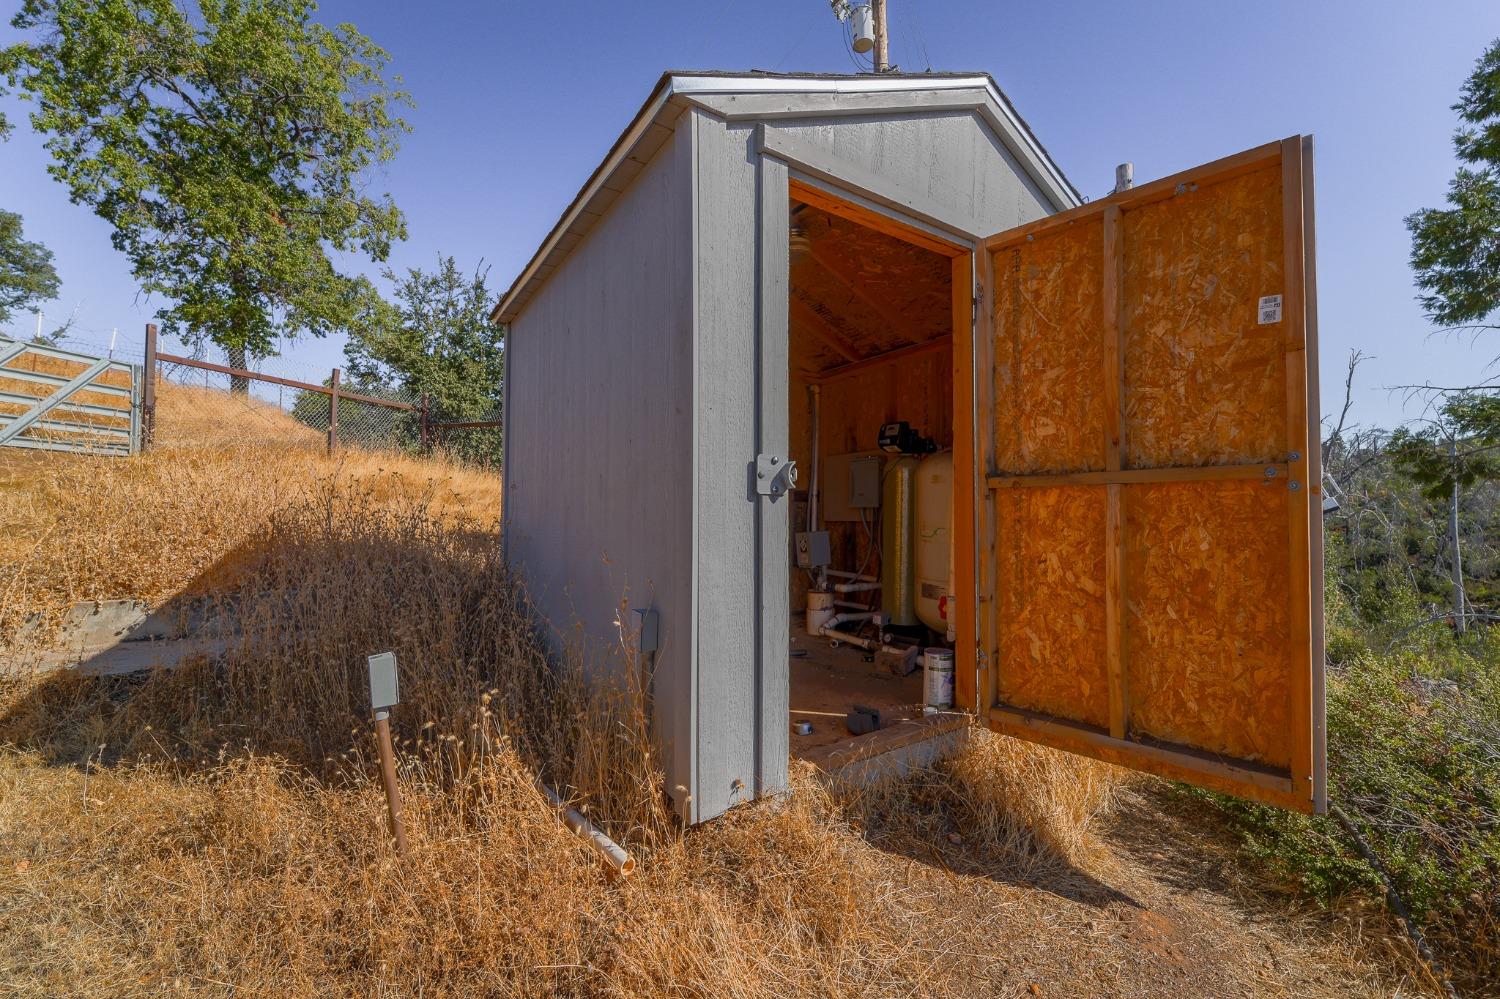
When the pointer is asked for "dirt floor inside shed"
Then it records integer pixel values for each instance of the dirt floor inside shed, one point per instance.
(218, 830)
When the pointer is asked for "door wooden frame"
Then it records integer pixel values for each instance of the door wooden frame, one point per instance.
(871, 209)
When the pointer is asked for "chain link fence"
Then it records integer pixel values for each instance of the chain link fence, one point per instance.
(283, 401)
(279, 401)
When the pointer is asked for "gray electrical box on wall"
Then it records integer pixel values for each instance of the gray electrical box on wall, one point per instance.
(839, 475)
(813, 549)
(864, 483)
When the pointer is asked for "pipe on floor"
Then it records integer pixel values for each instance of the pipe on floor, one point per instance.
(868, 644)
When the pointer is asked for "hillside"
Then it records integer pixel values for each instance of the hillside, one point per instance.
(218, 830)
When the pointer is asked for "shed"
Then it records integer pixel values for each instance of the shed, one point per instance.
(787, 311)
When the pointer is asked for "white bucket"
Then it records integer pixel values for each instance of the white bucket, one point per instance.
(937, 677)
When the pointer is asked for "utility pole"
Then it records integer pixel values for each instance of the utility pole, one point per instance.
(882, 38)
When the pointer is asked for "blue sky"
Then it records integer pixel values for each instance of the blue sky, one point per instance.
(516, 103)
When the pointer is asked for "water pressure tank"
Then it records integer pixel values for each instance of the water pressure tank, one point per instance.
(934, 538)
(897, 533)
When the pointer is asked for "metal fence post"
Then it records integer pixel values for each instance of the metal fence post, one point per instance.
(148, 389)
(137, 387)
(333, 413)
(426, 424)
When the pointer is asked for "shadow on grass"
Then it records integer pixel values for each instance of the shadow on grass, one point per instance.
(267, 651)
(930, 816)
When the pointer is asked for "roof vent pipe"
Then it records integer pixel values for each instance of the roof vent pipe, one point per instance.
(1124, 177)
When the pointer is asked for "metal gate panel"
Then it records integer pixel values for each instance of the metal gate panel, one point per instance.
(70, 407)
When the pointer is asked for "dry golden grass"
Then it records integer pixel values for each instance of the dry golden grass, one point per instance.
(219, 829)
(178, 518)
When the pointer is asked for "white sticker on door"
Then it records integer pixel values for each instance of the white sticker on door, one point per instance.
(1270, 309)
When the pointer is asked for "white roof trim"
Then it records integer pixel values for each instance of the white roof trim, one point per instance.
(687, 85)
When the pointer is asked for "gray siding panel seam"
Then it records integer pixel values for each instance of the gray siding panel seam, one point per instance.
(695, 146)
(773, 515)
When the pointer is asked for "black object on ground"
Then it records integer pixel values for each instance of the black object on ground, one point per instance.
(862, 720)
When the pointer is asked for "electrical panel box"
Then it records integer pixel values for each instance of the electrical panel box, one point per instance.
(644, 626)
(864, 483)
(834, 480)
(813, 549)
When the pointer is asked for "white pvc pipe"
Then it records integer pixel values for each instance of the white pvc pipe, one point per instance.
(812, 496)
(840, 573)
(829, 631)
(854, 587)
(868, 644)
(839, 619)
(612, 853)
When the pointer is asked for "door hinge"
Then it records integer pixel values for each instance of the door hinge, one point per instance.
(774, 474)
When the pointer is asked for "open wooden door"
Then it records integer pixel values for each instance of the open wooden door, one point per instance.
(1148, 519)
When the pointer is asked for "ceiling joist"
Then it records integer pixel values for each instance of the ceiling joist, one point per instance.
(805, 317)
(835, 269)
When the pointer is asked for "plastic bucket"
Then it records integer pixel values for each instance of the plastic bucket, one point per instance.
(937, 677)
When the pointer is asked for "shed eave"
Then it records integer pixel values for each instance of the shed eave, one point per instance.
(682, 86)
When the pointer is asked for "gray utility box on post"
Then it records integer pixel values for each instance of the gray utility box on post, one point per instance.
(384, 693)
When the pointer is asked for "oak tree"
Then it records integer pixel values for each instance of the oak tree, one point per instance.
(27, 277)
(229, 144)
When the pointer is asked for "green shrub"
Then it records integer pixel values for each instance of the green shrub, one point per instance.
(1414, 760)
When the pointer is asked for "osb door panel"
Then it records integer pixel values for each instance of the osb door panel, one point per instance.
(1146, 513)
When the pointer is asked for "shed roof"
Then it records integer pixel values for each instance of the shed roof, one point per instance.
(796, 94)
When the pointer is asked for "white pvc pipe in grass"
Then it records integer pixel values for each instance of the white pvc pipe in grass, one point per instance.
(613, 854)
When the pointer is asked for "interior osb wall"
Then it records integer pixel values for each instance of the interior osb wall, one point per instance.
(1049, 354)
(1207, 648)
(1204, 384)
(903, 299)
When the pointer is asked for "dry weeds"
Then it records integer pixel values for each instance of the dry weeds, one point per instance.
(177, 519)
(218, 830)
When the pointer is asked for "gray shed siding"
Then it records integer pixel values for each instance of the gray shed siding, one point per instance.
(598, 472)
(646, 374)
(949, 157)
(742, 739)
(953, 161)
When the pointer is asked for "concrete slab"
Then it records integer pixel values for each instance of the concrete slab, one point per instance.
(826, 683)
(121, 658)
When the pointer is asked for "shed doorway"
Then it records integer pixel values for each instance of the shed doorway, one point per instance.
(871, 409)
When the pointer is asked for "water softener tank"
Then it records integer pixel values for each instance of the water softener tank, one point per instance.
(897, 532)
(934, 537)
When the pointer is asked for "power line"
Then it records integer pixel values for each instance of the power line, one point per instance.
(713, 28)
(847, 35)
(787, 54)
(921, 36)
